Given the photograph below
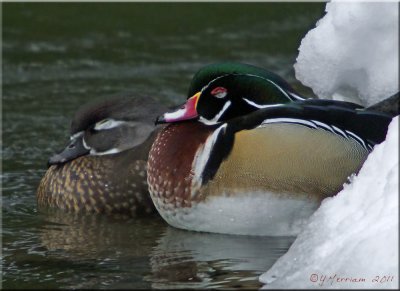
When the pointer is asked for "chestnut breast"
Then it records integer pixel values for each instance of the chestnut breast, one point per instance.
(169, 170)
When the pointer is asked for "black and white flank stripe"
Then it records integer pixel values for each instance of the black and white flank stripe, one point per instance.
(314, 124)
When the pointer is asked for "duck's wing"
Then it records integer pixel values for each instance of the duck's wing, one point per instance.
(346, 119)
(330, 121)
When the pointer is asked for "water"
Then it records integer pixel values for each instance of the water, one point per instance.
(58, 56)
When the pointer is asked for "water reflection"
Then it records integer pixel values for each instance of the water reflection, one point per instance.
(100, 251)
(88, 236)
(198, 260)
(100, 246)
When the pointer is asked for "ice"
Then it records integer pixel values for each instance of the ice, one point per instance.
(351, 241)
(353, 53)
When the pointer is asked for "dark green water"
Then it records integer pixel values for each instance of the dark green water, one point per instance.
(58, 56)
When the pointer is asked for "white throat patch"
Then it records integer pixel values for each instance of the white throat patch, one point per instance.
(214, 120)
(202, 156)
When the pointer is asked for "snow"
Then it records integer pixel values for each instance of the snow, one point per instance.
(351, 241)
(352, 235)
(352, 52)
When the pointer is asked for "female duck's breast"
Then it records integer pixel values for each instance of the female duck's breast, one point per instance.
(97, 184)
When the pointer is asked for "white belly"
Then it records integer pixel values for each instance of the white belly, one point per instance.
(250, 214)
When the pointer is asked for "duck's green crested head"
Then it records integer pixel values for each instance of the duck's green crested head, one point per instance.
(220, 92)
(210, 72)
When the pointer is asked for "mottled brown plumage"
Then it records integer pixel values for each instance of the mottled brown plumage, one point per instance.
(103, 169)
(106, 184)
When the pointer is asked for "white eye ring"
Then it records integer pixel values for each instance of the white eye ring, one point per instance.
(107, 124)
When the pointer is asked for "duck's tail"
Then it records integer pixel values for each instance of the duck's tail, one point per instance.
(389, 105)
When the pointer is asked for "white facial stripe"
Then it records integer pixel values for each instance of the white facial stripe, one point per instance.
(104, 125)
(260, 106)
(202, 156)
(219, 77)
(289, 95)
(205, 121)
(85, 144)
(108, 124)
(296, 96)
(76, 135)
(273, 83)
(217, 116)
(108, 152)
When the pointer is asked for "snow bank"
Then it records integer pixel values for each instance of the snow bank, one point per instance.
(351, 241)
(353, 52)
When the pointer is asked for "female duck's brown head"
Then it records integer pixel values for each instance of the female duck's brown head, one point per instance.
(103, 167)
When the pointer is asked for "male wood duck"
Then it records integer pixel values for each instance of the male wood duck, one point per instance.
(246, 154)
(103, 168)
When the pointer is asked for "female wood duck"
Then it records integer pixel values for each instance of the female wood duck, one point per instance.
(254, 157)
(103, 168)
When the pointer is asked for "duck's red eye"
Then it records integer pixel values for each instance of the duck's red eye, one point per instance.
(219, 92)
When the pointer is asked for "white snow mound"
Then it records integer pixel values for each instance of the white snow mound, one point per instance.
(352, 240)
(353, 53)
